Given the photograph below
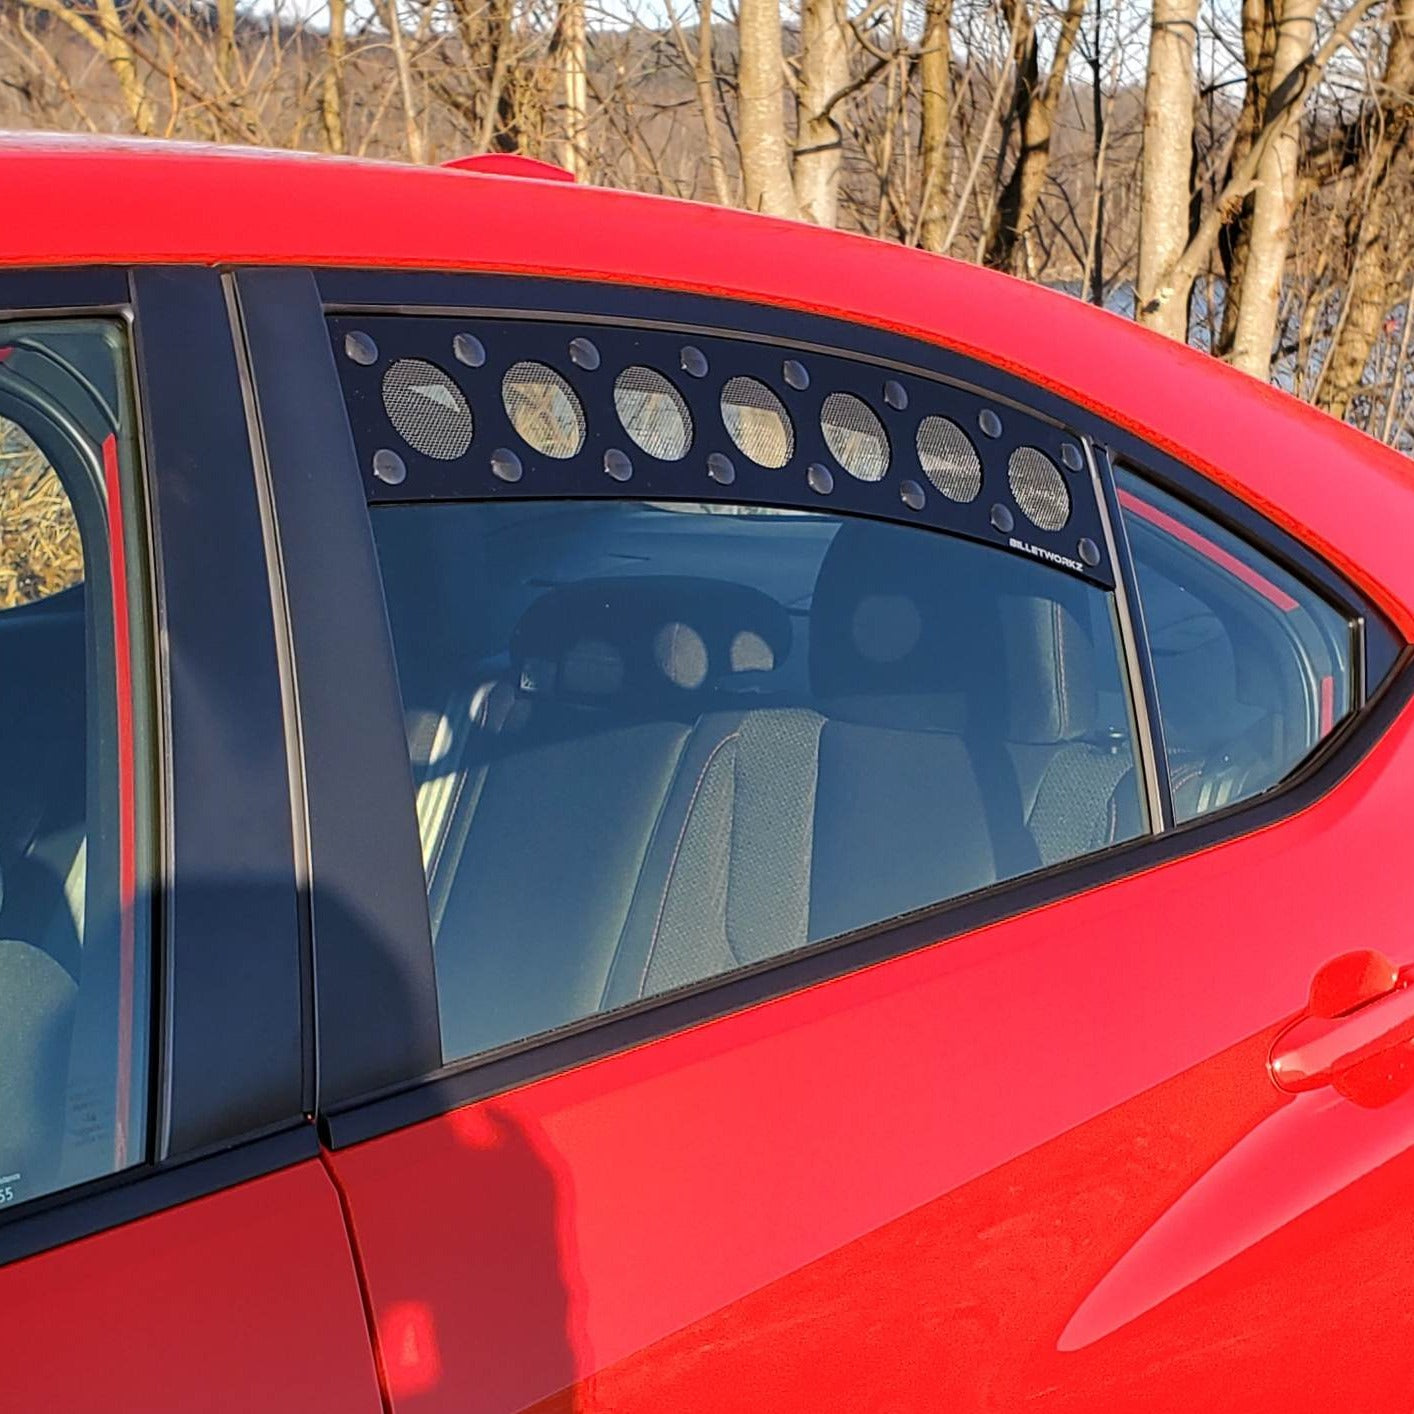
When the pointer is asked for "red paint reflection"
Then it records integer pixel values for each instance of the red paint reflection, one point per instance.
(408, 1339)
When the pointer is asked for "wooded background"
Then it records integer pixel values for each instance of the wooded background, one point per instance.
(1237, 173)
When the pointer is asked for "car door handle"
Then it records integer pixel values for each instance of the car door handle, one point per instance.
(1360, 1006)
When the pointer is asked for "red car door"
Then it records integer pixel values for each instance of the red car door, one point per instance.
(881, 859)
(169, 1238)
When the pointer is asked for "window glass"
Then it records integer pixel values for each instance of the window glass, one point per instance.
(1253, 668)
(73, 936)
(655, 743)
(43, 551)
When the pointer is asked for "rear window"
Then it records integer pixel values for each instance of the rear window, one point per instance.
(1254, 669)
(655, 743)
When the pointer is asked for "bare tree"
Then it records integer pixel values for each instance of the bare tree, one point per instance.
(106, 34)
(331, 92)
(765, 151)
(824, 75)
(1033, 114)
(1234, 238)
(1376, 234)
(570, 48)
(1015, 132)
(1168, 142)
(226, 38)
(935, 122)
(704, 69)
(1275, 198)
(1286, 100)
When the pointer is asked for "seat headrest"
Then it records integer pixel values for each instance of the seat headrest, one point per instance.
(1196, 670)
(1052, 696)
(916, 623)
(893, 613)
(646, 637)
(913, 622)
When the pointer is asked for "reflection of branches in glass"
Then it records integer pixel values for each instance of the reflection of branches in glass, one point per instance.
(40, 550)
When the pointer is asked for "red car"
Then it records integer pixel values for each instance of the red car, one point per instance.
(610, 805)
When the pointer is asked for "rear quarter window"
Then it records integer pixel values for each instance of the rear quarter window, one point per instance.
(1253, 667)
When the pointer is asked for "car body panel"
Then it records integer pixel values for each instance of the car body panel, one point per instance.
(244, 1300)
(648, 1220)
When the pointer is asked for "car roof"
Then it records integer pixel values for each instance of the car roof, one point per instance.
(81, 200)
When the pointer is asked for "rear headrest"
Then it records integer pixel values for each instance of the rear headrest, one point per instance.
(897, 616)
(1050, 671)
(1197, 681)
(646, 636)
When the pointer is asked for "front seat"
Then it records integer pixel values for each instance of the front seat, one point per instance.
(37, 998)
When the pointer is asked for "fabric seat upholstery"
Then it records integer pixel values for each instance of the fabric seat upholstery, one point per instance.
(951, 743)
(37, 998)
(562, 801)
(1077, 778)
(788, 826)
(1218, 745)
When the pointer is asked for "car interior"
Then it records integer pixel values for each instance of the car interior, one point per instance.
(42, 867)
(651, 776)
(58, 943)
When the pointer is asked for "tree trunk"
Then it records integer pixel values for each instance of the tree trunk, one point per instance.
(487, 34)
(417, 148)
(572, 44)
(824, 72)
(1274, 202)
(331, 102)
(1167, 161)
(1034, 110)
(765, 154)
(121, 60)
(935, 150)
(226, 38)
(705, 76)
(1093, 276)
(1284, 109)
(1375, 280)
(1258, 51)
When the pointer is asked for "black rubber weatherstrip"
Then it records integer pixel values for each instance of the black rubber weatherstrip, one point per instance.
(75, 1213)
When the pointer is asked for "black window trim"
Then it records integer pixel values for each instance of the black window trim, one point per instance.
(203, 1134)
(367, 899)
(1138, 660)
(421, 1096)
(1377, 644)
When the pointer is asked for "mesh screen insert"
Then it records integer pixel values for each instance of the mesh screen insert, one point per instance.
(1038, 488)
(427, 409)
(653, 413)
(855, 436)
(946, 454)
(757, 421)
(544, 409)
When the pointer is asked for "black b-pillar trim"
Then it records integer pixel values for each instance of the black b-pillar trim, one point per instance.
(375, 989)
(228, 908)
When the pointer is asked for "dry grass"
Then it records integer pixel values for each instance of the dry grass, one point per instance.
(40, 549)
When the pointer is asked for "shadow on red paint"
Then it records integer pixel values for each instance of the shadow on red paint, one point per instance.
(511, 1252)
